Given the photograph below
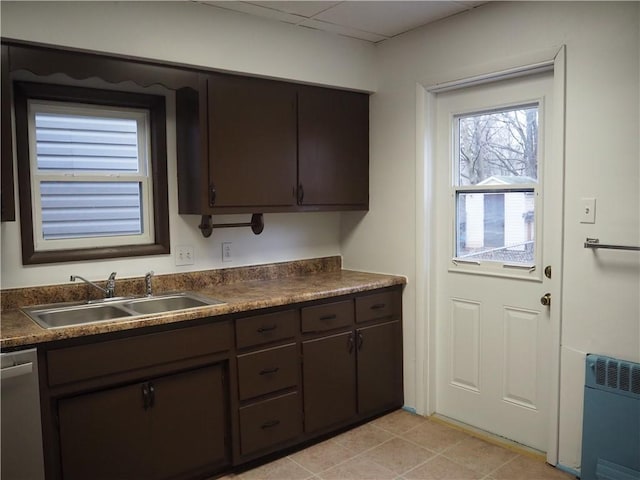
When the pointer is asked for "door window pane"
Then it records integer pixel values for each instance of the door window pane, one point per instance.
(499, 147)
(496, 226)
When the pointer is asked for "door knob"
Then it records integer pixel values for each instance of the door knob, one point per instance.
(546, 299)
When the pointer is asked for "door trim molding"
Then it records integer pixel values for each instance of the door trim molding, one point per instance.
(426, 284)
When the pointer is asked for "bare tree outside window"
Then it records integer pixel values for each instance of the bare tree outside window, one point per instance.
(498, 151)
(503, 144)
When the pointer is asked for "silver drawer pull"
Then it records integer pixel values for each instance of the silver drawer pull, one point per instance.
(270, 328)
(268, 371)
(270, 424)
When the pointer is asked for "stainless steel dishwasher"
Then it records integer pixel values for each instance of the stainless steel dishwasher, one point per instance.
(21, 447)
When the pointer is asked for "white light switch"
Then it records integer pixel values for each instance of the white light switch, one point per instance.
(588, 210)
(227, 252)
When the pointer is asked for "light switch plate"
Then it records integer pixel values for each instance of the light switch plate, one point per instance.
(588, 210)
(227, 252)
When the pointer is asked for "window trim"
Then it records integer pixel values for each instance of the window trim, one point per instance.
(155, 104)
(494, 268)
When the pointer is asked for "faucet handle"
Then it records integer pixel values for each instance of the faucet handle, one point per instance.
(148, 284)
(111, 285)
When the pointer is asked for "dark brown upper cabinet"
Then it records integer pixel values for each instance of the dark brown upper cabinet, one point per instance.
(248, 145)
(252, 142)
(333, 148)
(8, 212)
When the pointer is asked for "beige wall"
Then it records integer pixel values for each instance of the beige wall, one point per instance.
(600, 309)
(195, 34)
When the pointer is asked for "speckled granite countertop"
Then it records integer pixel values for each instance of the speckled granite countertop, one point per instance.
(310, 282)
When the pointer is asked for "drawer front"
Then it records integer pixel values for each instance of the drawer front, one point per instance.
(376, 306)
(327, 317)
(261, 329)
(269, 423)
(267, 371)
(115, 356)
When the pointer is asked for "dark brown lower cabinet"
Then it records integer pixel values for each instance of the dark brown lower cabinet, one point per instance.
(379, 362)
(329, 379)
(354, 373)
(269, 422)
(168, 427)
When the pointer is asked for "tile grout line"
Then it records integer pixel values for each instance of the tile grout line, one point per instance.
(505, 463)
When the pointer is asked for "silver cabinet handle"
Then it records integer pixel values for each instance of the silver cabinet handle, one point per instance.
(16, 370)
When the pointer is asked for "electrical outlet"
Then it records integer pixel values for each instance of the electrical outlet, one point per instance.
(227, 252)
(184, 255)
(587, 210)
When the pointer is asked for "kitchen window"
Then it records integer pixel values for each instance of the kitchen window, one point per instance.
(92, 173)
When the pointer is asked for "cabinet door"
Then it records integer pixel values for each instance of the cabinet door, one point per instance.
(252, 142)
(7, 199)
(104, 435)
(379, 367)
(333, 135)
(329, 377)
(188, 425)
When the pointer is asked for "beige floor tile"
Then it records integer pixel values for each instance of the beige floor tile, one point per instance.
(322, 456)
(362, 438)
(479, 455)
(282, 469)
(358, 468)
(434, 436)
(440, 468)
(399, 421)
(398, 455)
(524, 468)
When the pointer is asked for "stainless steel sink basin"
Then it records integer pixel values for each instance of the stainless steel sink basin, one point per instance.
(67, 315)
(168, 303)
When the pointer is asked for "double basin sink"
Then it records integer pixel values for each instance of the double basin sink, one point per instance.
(71, 314)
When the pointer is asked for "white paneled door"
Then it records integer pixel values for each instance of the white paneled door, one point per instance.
(497, 218)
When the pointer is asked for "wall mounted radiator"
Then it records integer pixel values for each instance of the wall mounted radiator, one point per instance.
(611, 424)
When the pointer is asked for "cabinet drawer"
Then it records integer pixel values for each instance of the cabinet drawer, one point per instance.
(269, 423)
(378, 305)
(267, 371)
(267, 328)
(327, 316)
(115, 356)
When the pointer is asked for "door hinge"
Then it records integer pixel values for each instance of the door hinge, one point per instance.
(212, 195)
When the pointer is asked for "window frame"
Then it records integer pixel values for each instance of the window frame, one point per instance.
(496, 267)
(155, 105)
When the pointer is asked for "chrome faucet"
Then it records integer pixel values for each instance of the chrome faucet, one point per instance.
(147, 283)
(109, 292)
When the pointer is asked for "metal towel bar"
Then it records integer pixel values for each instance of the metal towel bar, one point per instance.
(595, 243)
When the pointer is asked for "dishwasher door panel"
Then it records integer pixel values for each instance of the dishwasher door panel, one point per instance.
(20, 421)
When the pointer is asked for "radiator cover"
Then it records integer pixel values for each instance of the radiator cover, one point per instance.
(611, 422)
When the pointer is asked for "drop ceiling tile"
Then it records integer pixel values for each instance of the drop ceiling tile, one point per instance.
(257, 10)
(388, 18)
(304, 9)
(346, 31)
